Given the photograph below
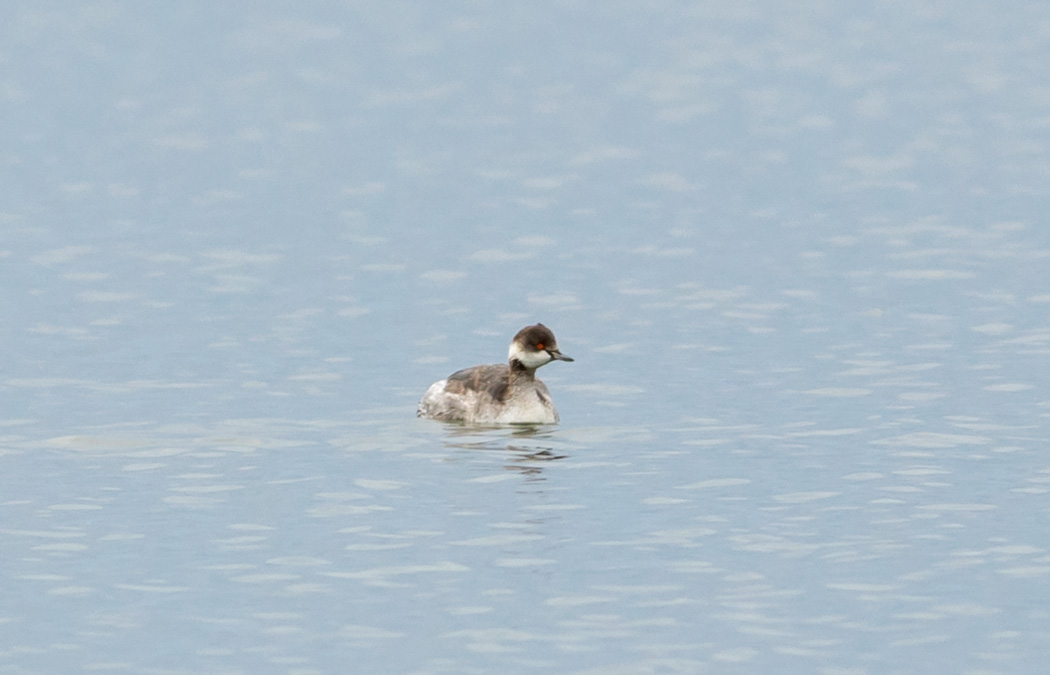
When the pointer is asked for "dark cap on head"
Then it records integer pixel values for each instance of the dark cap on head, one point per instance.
(538, 337)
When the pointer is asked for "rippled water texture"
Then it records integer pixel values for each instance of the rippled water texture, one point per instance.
(799, 255)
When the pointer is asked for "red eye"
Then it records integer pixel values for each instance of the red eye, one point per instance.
(539, 345)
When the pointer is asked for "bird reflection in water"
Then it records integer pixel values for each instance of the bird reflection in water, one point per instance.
(524, 444)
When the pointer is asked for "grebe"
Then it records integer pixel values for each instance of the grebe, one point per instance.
(499, 394)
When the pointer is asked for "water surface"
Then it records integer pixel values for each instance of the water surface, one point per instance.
(799, 256)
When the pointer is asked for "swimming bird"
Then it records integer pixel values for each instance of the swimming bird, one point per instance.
(499, 394)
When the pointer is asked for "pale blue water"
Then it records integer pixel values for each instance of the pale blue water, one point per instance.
(799, 256)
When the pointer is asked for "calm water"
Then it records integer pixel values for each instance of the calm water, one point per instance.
(799, 255)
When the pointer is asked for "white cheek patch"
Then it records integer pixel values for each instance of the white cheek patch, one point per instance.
(536, 359)
(530, 360)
